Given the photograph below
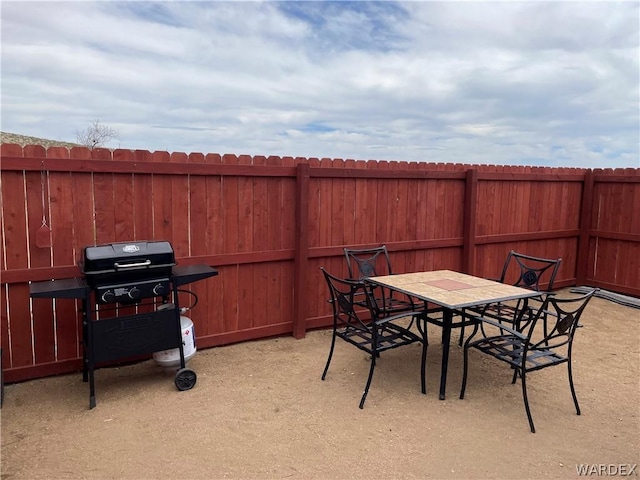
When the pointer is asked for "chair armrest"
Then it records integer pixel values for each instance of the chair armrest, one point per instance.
(501, 326)
(489, 311)
(414, 314)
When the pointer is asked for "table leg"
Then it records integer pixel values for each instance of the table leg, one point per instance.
(447, 316)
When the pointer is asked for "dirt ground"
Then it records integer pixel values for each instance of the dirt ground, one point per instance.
(260, 411)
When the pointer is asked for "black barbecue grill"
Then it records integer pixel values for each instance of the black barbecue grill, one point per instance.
(141, 274)
(128, 272)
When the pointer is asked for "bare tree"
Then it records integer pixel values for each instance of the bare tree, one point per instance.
(96, 135)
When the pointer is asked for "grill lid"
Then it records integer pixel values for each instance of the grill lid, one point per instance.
(127, 257)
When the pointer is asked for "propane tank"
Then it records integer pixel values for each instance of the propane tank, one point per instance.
(171, 358)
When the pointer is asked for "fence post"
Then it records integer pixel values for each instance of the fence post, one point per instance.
(469, 222)
(586, 209)
(301, 256)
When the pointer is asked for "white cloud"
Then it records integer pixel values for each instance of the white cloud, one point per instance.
(552, 83)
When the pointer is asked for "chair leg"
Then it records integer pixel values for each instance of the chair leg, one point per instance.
(410, 326)
(333, 344)
(421, 326)
(484, 334)
(366, 388)
(526, 401)
(545, 328)
(573, 390)
(465, 370)
(423, 367)
(425, 333)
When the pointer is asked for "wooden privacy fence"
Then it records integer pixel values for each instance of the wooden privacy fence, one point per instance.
(268, 224)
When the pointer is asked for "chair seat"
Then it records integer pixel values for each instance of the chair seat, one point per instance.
(388, 305)
(389, 335)
(508, 313)
(510, 349)
(396, 305)
(437, 320)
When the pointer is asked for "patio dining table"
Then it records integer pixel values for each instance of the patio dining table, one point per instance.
(453, 291)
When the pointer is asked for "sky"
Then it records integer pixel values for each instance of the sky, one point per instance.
(510, 83)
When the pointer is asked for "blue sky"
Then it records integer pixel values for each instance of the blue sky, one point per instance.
(514, 83)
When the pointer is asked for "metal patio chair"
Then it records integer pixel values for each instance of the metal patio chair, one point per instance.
(531, 272)
(527, 351)
(370, 330)
(373, 262)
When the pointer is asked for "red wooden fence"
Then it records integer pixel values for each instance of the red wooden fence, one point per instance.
(268, 224)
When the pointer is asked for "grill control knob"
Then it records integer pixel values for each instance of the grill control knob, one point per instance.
(159, 290)
(108, 297)
(134, 293)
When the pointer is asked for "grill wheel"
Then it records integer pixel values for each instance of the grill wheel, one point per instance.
(185, 379)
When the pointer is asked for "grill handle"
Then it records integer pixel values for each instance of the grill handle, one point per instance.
(124, 266)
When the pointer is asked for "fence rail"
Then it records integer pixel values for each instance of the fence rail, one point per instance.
(269, 223)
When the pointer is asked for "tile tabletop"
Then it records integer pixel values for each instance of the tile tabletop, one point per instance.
(452, 289)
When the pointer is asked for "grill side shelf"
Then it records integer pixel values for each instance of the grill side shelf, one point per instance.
(61, 288)
(183, 275)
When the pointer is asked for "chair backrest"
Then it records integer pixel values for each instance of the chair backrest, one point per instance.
(532, 272)
(344, 296)
(562, 318)
(368, 262)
